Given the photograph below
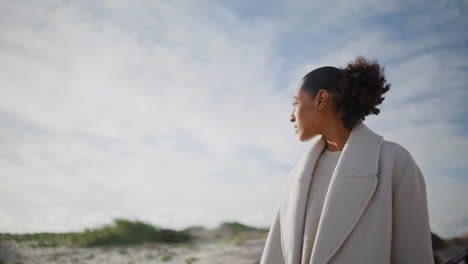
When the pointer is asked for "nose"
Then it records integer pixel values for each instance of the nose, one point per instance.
(292, 118)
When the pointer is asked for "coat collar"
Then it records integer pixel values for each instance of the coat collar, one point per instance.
(352, 186)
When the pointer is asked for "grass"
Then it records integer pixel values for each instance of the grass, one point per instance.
(190, 260)
(166, 258)
(238, 233)
(236, 227)
(131, 233)
(121, 232)
(40, 239)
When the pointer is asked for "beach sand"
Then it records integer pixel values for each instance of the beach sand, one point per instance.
(211, 252)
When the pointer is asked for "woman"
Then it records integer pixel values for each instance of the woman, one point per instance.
(353, 197)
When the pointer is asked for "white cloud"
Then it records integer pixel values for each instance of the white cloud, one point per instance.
(134, 127)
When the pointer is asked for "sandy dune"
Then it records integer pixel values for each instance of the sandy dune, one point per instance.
(204, 249)
(248, 252)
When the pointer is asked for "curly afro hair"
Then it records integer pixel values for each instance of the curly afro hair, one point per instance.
(357, 88)
(360, 90)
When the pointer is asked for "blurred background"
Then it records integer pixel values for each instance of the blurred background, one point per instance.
(177, 112)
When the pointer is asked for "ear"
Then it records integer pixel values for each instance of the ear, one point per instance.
(321, 99)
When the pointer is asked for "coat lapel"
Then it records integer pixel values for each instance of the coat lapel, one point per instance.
(292, 209)
(352, 186)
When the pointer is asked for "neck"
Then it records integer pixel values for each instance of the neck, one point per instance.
(335, 136)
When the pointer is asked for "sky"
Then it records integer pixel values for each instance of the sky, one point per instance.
(177, 112)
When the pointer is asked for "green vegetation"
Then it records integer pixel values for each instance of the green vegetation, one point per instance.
(236, 227)
(190, 260)
(166, 258)
(40, 239)
(132, 233)
(125, 232)
(238, 233)
(122, 232)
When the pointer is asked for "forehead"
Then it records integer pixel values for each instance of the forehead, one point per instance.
(301, 95)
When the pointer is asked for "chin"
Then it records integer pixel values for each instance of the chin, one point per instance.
(306, 137)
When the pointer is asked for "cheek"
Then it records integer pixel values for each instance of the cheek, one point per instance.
(302, 114)
(306, 118)
(297, 112)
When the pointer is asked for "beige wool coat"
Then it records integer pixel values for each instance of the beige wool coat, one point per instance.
(375, 210)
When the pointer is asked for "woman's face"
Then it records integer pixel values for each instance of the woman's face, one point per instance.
(305, 115)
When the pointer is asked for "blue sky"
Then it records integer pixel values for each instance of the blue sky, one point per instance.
(177, 112)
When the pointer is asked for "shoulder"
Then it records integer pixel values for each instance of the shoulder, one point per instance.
(393, 148)
(394, 153)
(397, 161)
